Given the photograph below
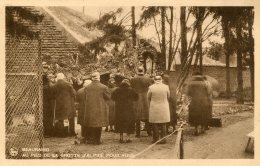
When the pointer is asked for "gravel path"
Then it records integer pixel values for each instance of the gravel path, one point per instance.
(222, 143)
(226, 142)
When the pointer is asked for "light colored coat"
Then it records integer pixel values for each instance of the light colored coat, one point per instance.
(158, 96)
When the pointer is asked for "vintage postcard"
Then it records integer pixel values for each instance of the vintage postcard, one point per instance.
(92, 80)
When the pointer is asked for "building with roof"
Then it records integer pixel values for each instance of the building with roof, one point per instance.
(62, 33)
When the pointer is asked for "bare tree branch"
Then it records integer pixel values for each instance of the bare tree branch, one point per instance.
(189, 13)
(158, 34)
(205, 15)
(125, 17)
(191, 40)
(207, 27)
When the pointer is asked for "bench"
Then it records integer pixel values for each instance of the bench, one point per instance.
(250, 143)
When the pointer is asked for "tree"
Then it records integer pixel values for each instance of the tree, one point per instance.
(251, 50)
(196, 36)
(113, 30)
(240, 95)
(236, 21)
(215, 51)
(133, 26)
(163, 35)
(18, 20)
(170, 40)
(226, 15)
(199, 14)
(245, 46)
(149, 14)
(183, 36)
(227, 44)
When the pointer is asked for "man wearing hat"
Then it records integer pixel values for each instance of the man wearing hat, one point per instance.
(96, 112)
(140, 84)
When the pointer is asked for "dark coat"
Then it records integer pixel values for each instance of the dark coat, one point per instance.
(48, 109)
(197, 90)
(140, 85)
(64, 98)
(124, 98)
(210, 99)
(96, 112)
(111, 105)
(172, 99)
(81, 99)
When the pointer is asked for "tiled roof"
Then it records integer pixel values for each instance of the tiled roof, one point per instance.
(55, 45)
(73, 21)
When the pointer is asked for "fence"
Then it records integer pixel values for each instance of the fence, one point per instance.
(23, 92)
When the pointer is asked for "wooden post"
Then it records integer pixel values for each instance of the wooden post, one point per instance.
(178, 152)
(40, 95)
(181, 147)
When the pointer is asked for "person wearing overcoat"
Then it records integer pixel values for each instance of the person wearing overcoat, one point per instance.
(81, 99)
(124, 97)
(140, 84)
(97, 109)
(198, 108)
(159, 111)
(64, 106)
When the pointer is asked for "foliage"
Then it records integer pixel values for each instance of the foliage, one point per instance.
(113, 31)
(215, 51)
(148, 13)
(18, 20)
(232, 16)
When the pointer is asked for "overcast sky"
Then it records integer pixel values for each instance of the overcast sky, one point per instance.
(148, 32)
(95, 12)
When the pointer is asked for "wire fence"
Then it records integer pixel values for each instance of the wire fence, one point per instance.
(23, 116)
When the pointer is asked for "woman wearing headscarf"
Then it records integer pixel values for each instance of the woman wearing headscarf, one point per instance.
(124, 96)
(159, 111)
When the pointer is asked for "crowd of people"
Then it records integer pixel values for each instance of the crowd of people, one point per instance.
(120, 106)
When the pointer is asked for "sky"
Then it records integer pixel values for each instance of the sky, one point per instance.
(148, 32)
(95, 12)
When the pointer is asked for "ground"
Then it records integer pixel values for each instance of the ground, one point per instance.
(229, 141)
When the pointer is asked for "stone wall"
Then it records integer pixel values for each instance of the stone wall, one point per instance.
(219, 73)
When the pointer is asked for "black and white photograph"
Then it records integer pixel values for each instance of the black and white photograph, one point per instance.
(129, 82)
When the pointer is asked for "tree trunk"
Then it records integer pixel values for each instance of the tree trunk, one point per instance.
(184, 53)
(195, 65)
(200, 15)
(170, 44)
(163, 36)
(133, 26)
(251, 53)
(227, 54)
(240, 96)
